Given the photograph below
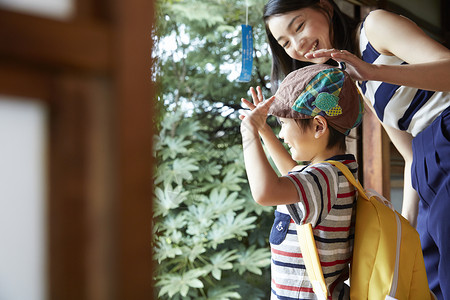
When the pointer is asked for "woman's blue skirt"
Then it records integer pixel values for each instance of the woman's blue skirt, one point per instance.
(431, 179)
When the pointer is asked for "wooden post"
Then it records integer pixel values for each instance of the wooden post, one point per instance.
(134, 106)
(376, 155)
(67, 206)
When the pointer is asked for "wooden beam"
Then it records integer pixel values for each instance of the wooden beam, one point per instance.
(100, 199)
(100, 10)
(376, 155)
(67, 213)
(55, 44)
(21, 81)
(134, 110)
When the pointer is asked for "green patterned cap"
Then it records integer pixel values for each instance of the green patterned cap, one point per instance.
(320, 90)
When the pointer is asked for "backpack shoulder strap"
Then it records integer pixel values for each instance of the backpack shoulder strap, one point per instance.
(311, 260)
(344, 169)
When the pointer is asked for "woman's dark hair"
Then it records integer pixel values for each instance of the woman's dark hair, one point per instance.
(341, 26)
(335, 139)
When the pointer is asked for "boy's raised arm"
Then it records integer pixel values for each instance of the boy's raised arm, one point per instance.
(279, 154)
(266, 187)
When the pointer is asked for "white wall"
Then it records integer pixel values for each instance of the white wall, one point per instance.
(58, 9)
(23, 140)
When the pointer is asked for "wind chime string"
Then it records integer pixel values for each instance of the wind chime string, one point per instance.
(246, 12)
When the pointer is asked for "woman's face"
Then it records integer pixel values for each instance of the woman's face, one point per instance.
(301, 31)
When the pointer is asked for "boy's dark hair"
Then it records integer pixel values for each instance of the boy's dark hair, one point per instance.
(341, 29)
(335, 139)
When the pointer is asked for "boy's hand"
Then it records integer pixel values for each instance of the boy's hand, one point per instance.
(258, 98)
(254, 120)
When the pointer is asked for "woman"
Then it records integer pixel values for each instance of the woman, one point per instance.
(405, 77)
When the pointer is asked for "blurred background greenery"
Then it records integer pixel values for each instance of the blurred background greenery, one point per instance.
(210, 238)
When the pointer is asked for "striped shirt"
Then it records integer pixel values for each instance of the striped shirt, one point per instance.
(401, 107)
(326, 200)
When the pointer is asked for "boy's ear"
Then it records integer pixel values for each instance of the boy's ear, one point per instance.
(320, 126)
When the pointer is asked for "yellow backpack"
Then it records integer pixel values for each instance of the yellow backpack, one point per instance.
(387, 256)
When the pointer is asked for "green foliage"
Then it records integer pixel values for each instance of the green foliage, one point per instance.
(203, 217)
(199, 48)
(210, 238)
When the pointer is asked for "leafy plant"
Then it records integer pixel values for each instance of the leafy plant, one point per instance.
(205, 219)
(210, 238)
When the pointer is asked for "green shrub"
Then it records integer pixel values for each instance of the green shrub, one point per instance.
(210, 237)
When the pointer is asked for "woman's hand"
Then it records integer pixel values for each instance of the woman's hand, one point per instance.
(357, 69)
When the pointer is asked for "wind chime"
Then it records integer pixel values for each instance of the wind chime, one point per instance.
(247, 49)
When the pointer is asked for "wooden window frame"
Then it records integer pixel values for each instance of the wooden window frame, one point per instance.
(93, 74)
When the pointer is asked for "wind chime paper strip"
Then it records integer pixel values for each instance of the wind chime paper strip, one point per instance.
(247, 53)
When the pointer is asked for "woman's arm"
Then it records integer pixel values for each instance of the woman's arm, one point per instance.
(390, 34)
(410, 208)
(402, 140)
(429, 61)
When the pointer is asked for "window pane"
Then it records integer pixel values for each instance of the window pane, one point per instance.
(59, 9)
(23, 140)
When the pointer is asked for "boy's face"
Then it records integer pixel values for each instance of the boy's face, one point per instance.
(302, 142)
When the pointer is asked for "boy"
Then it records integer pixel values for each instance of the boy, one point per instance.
(317, 107)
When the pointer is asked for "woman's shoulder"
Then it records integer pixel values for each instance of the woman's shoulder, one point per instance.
(378, 15)
(379, 27)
